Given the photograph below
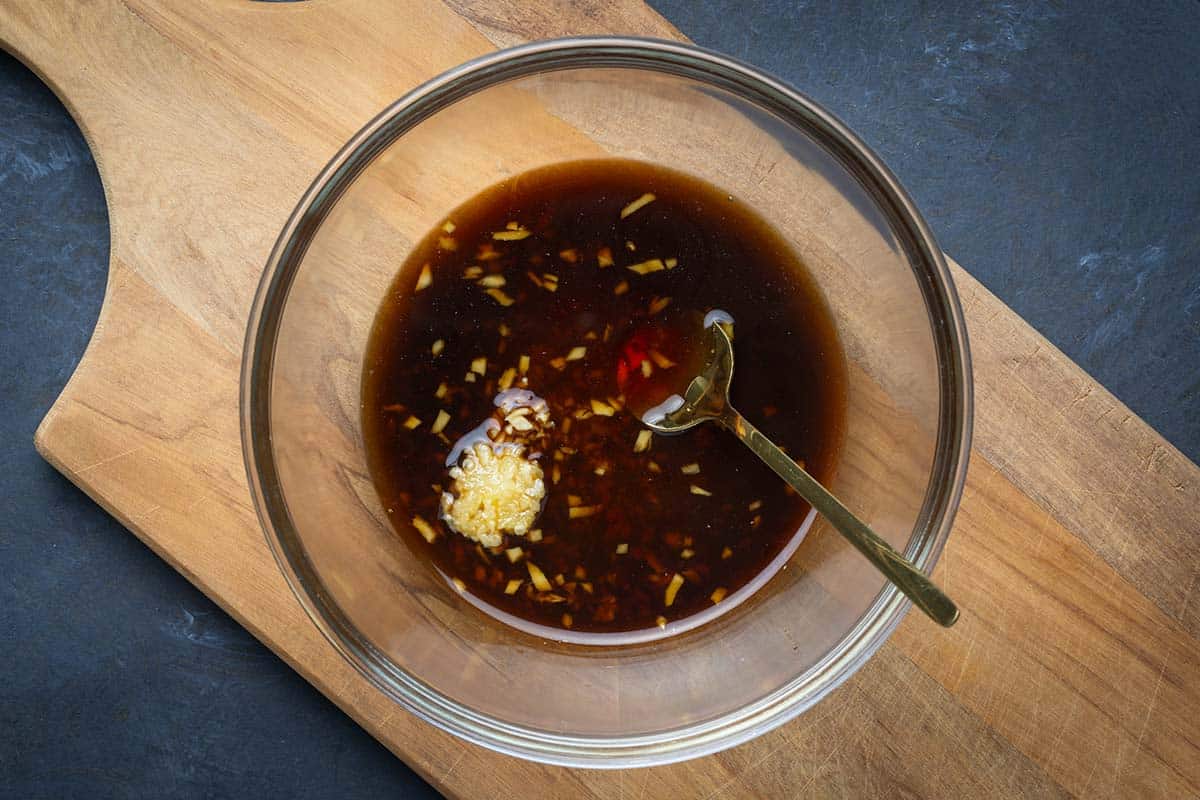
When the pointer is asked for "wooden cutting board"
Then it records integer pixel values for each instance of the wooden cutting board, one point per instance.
(1075, 669)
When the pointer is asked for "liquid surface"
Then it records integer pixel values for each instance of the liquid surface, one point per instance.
(541, 284)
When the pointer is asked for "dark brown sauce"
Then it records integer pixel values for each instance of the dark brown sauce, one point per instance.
(789, 381)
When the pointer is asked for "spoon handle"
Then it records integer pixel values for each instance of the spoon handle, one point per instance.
(895, 567)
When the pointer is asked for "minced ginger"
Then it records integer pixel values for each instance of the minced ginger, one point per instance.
(498, 486)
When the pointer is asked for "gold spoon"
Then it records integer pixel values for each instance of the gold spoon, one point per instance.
(707, 400)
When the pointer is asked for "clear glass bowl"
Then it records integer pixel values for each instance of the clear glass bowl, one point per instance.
(908, 422)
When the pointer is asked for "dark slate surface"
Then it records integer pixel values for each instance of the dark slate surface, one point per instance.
(1053, 147)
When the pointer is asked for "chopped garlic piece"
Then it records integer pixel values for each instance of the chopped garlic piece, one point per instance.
(621, 288)
(604, 258)
(412, 423)
(512, 586)
(694, 489)
(424, 528)
(576, 512)
(660, 621)
(671, 262)
(672, 589)
(622, 548)
(500, 297)
(755, 506)
(448, 226)
(570, 255)
(424, 279)
(648, 266)
(641, 202)
(602, 409)
(507, 378)
(437, 347)
(535, 535)
(479, 365)
(492, 281)
(538, 577)
(726, 553)
(523, 364)
(690, 469)
(514, 554)
(658, 304)
(647, 368)
(458, 584)
(642, 443)
(687, 552)
(440, 423)
(576, 353)
(519, 423)
(447, 243)
(510, 235)
(718, 595)
(441, 391)
(661, 361)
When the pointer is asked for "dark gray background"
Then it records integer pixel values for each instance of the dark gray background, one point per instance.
(1053, 148)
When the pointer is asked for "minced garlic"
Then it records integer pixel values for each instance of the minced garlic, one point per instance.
(492, 493)
(497, 488)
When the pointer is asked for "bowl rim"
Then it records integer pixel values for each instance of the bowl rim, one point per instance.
(947, 474)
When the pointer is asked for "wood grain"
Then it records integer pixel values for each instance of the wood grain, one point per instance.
(1075, 670)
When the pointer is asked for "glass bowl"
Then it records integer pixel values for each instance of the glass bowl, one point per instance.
(907, 427)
